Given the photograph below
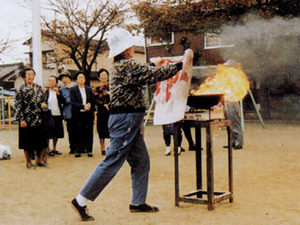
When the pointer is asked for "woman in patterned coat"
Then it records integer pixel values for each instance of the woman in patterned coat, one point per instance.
(29, 103)
(102, 100)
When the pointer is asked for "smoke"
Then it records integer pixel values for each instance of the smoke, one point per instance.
(265, 49)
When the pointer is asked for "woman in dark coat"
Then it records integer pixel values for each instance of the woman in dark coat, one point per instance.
(29, 103)
(102, 99)
(83, 108)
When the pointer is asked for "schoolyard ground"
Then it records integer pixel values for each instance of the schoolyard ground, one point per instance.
(266, 179)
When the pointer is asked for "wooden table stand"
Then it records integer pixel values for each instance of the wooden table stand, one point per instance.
(212, 196)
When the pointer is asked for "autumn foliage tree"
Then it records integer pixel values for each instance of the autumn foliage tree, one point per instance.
(81, 26)
(159, 17)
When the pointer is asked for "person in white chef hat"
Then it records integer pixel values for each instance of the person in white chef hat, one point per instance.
(127, 110)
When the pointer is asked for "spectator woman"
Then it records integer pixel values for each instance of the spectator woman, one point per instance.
(83, 108)
(29, 103)
(55, 103)
(102, 99)
(66, 78)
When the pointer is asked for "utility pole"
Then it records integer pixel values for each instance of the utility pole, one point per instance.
(36, 42)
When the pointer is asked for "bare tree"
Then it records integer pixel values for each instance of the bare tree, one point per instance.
(81, 26)
(5, 45)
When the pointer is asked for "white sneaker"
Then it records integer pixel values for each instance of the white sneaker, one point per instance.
(168, 150)
(179, 150)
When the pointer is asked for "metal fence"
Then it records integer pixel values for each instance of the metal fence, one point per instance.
(6, 120)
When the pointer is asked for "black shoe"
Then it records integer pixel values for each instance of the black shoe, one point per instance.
(238, 147)
(143, 208)
(103, 152)
(192, 148)
(182, 149)
(50, 153)
(78, 155)
(56, 152)
(90, 155)
(42, 164)
(83, 212)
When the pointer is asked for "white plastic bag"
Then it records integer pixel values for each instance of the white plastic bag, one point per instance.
(5, 152)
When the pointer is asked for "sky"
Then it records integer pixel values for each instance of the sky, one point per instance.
(15, 23)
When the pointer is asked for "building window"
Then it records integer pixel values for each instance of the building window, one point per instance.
(168, 39)
(213, 40)
(49, 60)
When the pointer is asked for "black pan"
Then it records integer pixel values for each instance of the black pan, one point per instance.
(205, 101)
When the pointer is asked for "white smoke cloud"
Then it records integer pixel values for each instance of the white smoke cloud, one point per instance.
(265, 47)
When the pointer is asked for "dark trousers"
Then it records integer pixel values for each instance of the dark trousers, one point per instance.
(168, 130)
(85, 132)
(188, 135)
(71, 128)
(232, 113)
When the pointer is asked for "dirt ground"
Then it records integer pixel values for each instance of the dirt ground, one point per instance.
(266, 178)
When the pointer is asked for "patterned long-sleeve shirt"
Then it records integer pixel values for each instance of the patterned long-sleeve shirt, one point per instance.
(101, 93)
(126, 84)
(28, 104)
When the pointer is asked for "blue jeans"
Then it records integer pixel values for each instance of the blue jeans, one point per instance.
(168, 130)
(127, 143)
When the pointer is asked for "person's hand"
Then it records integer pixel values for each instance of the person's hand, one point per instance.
(160, 62)
(44, 106)
(23, 124)
(87, 107)
(106, 106)
(179, 65)
(142, 128)
(56, 90)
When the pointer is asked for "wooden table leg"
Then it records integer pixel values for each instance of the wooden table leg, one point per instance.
(230, 176)
(212, 197)
(210, 170)
(198, 160)
(176, 135)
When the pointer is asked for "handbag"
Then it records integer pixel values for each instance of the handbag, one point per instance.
(47, 119)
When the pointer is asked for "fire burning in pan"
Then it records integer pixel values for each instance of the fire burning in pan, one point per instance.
(228, 80)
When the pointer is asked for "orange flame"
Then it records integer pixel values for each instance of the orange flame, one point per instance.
(230, 81)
